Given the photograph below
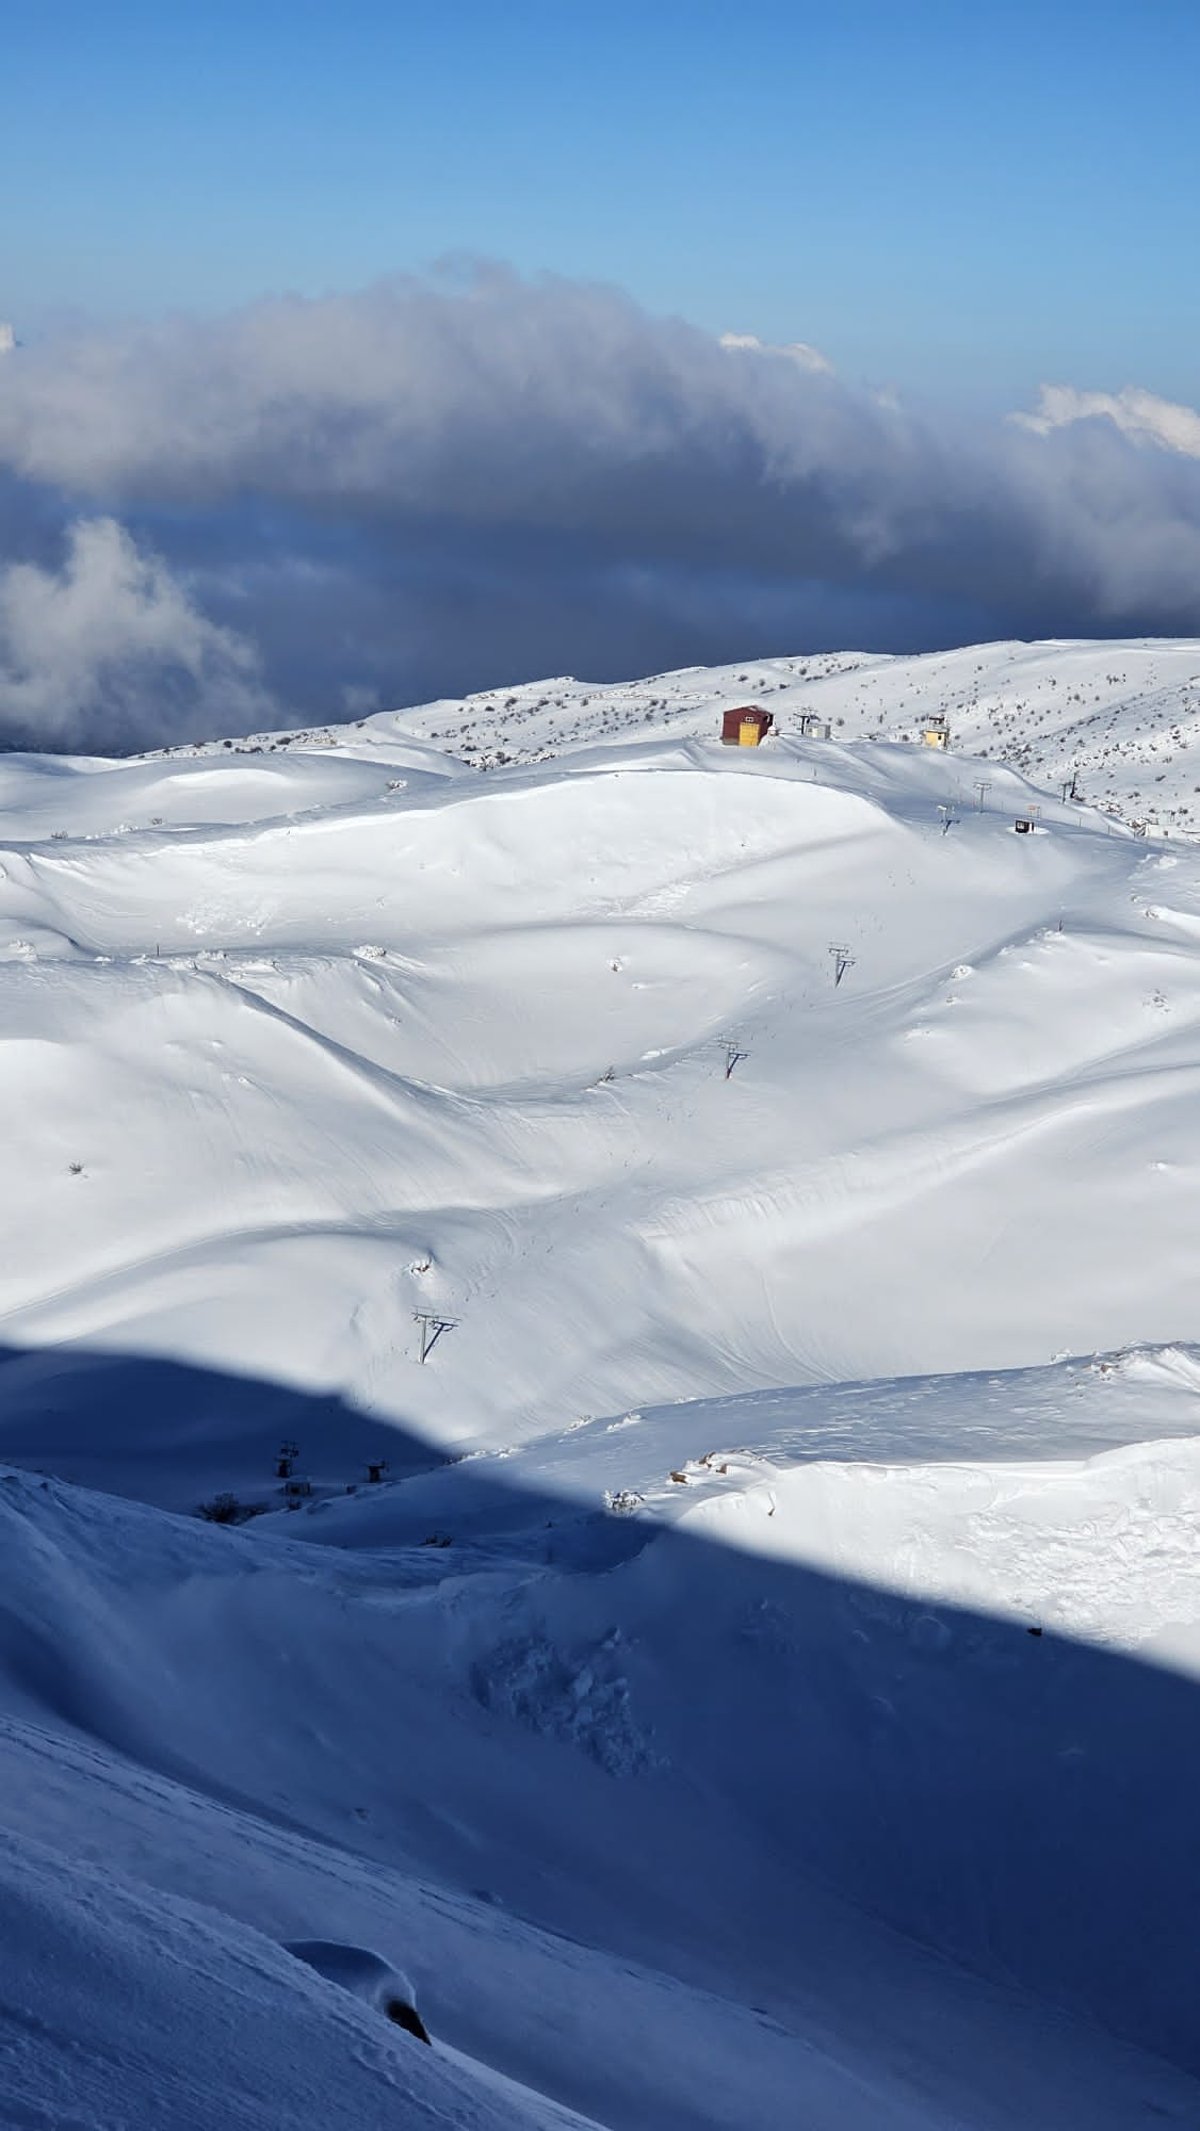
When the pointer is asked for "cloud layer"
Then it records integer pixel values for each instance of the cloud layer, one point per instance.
(426, 487)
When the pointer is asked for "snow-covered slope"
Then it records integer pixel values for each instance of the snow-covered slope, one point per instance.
(1117, 722)
(759, 1682)
(460, 1048)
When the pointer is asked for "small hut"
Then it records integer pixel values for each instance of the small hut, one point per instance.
(935, 732)
(746, 726)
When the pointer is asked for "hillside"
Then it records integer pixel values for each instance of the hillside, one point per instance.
(1119, 721)
(738, 1204)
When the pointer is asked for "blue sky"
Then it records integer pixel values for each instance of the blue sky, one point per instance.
(263, 459)
(958, 199)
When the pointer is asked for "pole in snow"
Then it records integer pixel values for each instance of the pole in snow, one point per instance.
(982, 788)
(432, 1327)
(842, 961)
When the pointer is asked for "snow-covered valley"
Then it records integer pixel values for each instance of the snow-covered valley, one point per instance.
(670, 1269)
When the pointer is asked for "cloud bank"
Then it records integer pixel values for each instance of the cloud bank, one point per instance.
(424, 487)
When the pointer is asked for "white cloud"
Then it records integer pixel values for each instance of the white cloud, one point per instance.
(796, 351)
(110, 649)
(1138, 414)
(421, 488)
(511, 412)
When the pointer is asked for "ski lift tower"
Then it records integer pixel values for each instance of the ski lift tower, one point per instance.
(431, 1328)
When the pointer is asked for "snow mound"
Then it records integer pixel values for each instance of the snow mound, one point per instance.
(365, 1975)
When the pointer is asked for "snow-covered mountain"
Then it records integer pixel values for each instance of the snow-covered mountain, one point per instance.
(668, 1269)
(1118, 723)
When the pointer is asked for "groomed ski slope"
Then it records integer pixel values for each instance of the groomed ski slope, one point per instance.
(762, 1687)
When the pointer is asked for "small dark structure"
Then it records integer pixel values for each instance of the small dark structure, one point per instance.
(746, 726)
(1023, 825)
(432, 1327)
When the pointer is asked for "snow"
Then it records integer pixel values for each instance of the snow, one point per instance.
(199, 2023)
(761, 1684)
(1120, 718)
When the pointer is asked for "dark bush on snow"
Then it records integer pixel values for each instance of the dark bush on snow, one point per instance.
(226, 1509)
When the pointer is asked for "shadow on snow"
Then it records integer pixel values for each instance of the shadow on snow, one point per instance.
(1022, 1802)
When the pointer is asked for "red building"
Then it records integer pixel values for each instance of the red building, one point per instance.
(747, 726)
